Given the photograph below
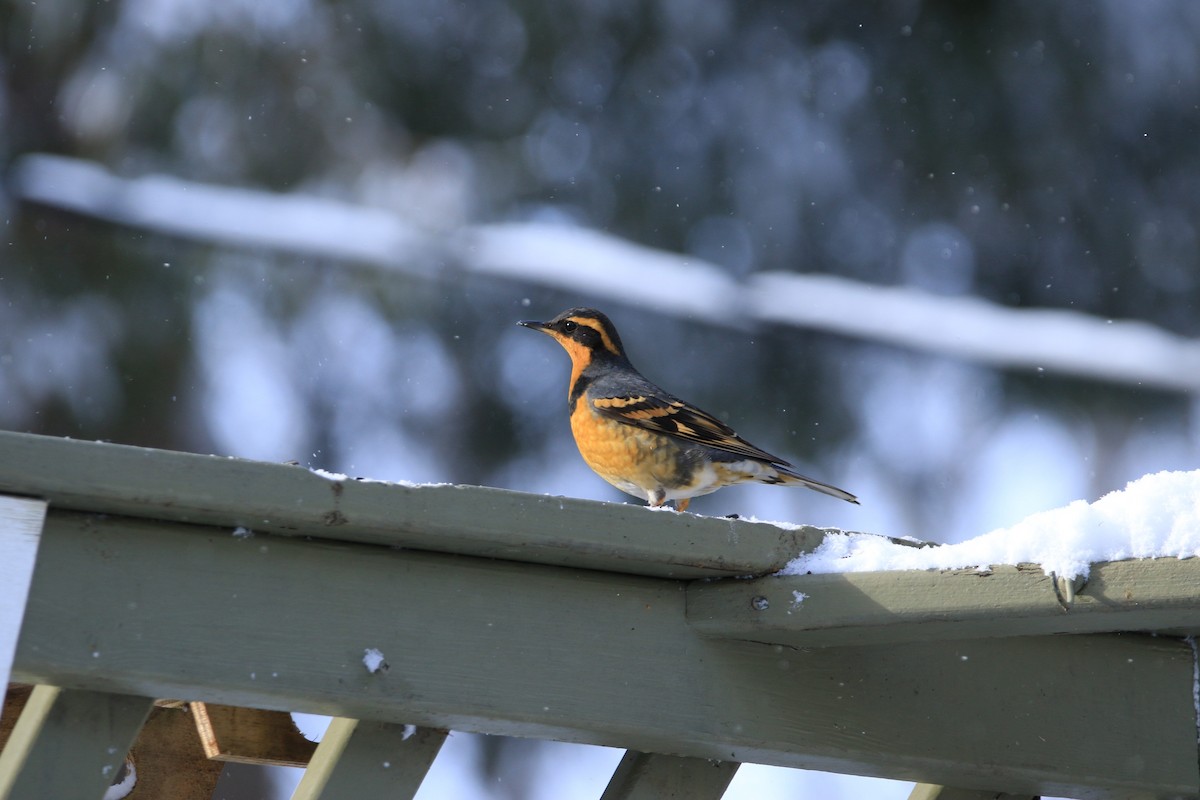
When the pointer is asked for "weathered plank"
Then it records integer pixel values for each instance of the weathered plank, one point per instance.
(467, 641)
(367, 760)
(883, 607)
(250, 735)
(652, 776)
(290, 500)
(20, 530)
(69, 743)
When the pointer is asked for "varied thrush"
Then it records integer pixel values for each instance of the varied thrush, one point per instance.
(643, 440)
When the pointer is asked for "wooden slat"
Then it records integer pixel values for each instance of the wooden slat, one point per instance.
(14, 701)
(651, 776)
(170, 762)
(290, 500)
(926, 791)
(466, 640)
(325, 759)
(369, 761)
(20, 531)
(69, 743)
(250, 735)
(885, 607)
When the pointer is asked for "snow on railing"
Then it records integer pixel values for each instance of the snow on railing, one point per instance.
(1156, 516)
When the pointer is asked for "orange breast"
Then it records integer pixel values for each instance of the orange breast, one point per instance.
(626, 456)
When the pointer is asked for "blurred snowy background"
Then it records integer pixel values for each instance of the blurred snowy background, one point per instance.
(304, 230)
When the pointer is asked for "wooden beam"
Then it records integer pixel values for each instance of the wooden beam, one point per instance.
(652, 776)
(20, 531)
(370, 760)
(926, 791)
(885, 607)
(289, 500)
(250, 735)
(579, 655)
(69, 743)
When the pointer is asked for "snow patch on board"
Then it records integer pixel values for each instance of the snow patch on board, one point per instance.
(373, 660)
(124, 787)
(1156, 516)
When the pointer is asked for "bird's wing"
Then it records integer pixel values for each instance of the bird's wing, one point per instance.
(663, 413)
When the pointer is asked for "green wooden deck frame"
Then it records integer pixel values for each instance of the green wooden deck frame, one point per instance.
(525, 615)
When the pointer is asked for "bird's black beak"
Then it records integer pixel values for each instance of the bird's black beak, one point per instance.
(544, 327)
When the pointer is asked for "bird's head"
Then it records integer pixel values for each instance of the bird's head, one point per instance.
(585, 333)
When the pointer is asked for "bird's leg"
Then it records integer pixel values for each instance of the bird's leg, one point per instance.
(682, 503)
(656, 497)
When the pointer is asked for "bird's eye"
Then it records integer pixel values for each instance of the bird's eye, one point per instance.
(569, 326)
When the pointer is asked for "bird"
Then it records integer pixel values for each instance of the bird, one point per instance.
(643, 440)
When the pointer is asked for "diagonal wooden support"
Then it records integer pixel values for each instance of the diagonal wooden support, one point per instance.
(21, 520)
(369, 761)
(69, 743)
(251, 735)
(928, 791)
(651, 776)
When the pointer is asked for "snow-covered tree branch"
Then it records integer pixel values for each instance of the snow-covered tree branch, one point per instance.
(599, 265)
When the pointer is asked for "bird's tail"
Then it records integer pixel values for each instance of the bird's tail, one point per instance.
(788, 476)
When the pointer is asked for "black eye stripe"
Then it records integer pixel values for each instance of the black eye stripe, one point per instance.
(570, 325)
